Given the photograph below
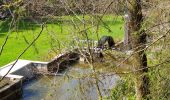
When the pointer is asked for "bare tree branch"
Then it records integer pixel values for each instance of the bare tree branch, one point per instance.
(42, 28)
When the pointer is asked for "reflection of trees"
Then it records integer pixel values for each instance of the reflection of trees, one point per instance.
(72, 86)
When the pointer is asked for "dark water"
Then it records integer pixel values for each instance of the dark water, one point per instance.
(68, 88)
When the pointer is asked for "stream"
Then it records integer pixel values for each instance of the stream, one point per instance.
(68, 88)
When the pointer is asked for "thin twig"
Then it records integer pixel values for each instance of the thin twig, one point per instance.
(6, 39)
(163, 36)
(42, 28)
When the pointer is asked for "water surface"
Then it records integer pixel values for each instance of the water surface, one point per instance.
(68, 88)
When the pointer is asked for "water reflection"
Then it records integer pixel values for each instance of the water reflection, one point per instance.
(66, 88)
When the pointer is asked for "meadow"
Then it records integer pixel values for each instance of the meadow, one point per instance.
(57, 33)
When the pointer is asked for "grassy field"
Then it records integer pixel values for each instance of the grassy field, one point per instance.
(61, 30)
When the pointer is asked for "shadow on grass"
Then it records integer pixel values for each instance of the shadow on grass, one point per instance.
(4, 27)
(29, 24)
(19, 25)
(2, 35)
(26, 25)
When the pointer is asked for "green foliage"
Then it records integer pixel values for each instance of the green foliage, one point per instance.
(159, 74)
(124, 89)
(159, 83)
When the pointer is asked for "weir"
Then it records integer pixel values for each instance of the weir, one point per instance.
(25, 70)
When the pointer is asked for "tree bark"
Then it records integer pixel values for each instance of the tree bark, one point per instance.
(126, 41)
(138, 39)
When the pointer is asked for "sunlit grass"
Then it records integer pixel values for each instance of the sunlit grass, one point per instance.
(55, 31)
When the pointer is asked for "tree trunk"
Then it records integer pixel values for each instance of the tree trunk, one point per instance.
(127, 40)
(138, 39)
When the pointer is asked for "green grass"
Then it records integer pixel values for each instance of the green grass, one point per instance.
(62, 30)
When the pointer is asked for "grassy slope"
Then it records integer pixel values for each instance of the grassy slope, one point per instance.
(16, 43)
